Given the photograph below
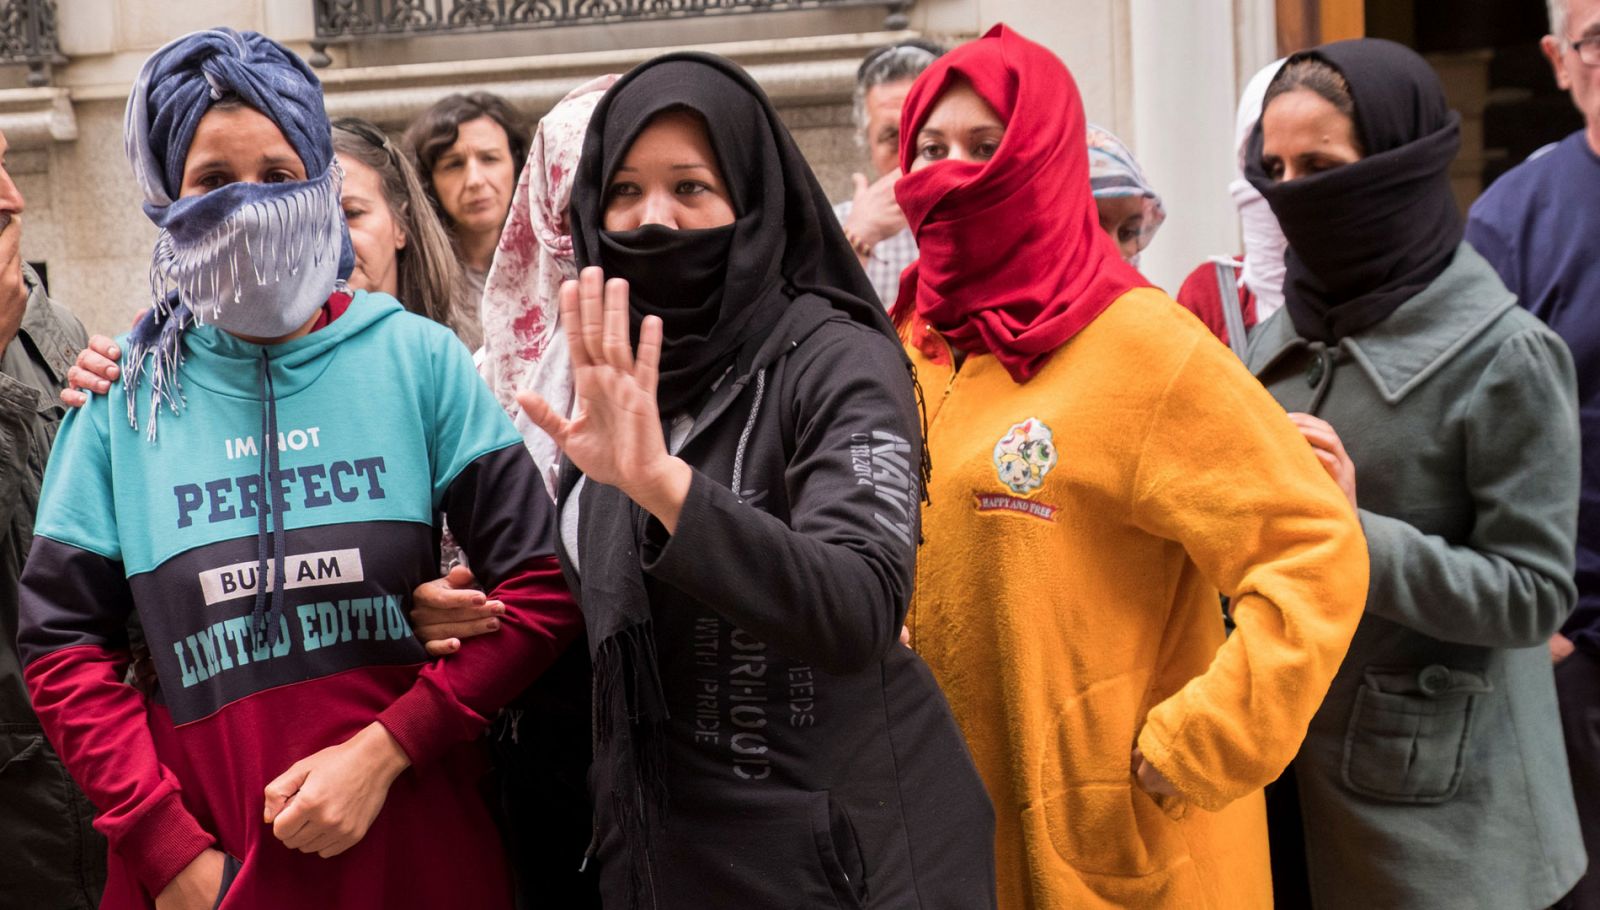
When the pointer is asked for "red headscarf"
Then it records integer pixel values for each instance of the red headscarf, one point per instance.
(1013, 260)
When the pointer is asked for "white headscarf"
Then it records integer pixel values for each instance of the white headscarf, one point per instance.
(522, 345)
(1264, 244)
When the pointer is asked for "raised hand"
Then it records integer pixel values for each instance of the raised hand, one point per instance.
(615, 437)
(875, 216)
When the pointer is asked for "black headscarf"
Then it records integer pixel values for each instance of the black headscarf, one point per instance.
(720, 293)
(716, 290)
(1366, 237)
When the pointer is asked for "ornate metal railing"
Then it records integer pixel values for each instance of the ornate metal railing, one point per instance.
(341, 21)
(28, 35)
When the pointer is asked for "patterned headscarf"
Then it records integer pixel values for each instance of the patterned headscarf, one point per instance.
(251, 256)
(523, 347)
(1114, 173)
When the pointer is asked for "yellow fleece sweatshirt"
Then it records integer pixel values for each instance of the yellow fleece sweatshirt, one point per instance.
(1080, 527)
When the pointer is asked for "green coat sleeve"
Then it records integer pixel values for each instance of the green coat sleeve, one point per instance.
(1509, 585)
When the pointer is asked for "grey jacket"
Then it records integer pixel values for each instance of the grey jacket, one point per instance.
(49, 854)
(1434, 775)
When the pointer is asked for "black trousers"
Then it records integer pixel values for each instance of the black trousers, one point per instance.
(541, 756)
(1578, 693)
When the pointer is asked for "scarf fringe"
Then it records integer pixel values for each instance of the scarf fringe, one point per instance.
(258, 239)
(629, 712)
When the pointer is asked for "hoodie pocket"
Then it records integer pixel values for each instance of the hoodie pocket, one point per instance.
(1407, 740)
(839, 852)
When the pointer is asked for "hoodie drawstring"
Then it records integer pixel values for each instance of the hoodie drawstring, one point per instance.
(744, 437)
(268, 469)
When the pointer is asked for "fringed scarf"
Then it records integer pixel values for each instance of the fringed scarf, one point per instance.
(256, 259)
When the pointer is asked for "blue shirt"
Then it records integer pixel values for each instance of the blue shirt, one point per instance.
(1539, 226)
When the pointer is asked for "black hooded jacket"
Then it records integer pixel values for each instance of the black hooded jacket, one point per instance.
(810, 758)
(761, 737)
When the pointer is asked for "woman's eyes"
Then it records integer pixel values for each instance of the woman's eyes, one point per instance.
(214, 181)
(622, 189)
(691, 188)
(931, 151)
(280, 177)
(1128, 235)
(987, 150)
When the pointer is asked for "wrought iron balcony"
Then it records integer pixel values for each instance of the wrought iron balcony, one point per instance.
(340, 21)
(28, 35)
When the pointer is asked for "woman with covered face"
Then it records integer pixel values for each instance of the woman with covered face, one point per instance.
(739, 517)
(1434, 774)
(1102, 468)
(298, 738)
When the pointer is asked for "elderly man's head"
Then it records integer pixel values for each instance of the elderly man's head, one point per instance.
(1573, 47)
(882, 81)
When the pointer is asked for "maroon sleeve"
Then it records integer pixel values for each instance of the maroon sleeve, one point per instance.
(1199, 295)
(74, 607)
(499, 511)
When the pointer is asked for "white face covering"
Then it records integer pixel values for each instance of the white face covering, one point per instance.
(1264, 247)
(1264, 244)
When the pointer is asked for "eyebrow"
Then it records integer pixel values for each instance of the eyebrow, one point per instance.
(676, 167)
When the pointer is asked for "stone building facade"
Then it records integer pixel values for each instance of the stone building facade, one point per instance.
(1161, 74)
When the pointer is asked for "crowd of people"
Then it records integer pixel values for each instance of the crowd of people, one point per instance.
(649, 531)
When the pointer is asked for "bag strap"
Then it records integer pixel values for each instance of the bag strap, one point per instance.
(1232, 307)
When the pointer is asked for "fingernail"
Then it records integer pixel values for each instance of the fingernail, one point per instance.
(492, 624)
(112, 372)
(103, 386)
(498, 607)
(114, 351)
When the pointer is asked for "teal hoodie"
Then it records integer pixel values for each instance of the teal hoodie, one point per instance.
(382, 425)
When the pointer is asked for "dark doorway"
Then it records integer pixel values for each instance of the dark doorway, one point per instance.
(1487, 53)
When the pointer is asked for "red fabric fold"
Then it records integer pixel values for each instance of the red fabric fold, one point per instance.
(1012, 258)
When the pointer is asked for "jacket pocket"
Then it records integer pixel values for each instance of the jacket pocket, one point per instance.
(49, 854)
(1408, 733)
(839, 852)
(1112, 829)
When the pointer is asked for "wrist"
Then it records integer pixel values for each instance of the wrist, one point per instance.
(383, 749)
(663, 489)
(860, 241)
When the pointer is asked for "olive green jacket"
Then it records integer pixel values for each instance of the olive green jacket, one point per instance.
(1434, 774)
(49, 854)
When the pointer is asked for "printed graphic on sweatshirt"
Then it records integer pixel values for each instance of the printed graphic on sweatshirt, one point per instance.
(1022, 459)
(744, 697)
(883, 461)
(207, 648)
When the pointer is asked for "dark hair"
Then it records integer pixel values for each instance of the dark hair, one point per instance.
(429, 277)
(1322, 78)
(431, 135)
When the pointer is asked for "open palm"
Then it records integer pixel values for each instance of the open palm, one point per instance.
(615, 437)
